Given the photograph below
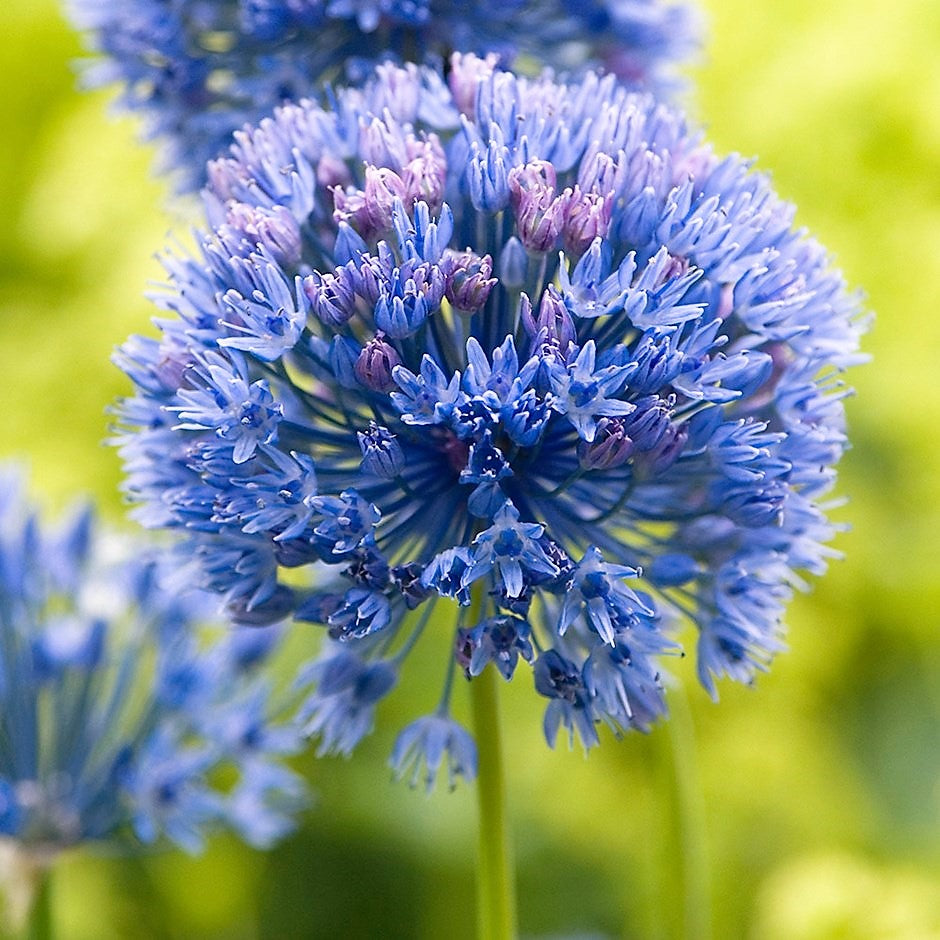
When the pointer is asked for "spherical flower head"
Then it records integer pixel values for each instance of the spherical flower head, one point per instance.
(197, 70)
(119, 704)
(612, 439)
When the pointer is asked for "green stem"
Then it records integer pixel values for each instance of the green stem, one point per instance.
(496, 907)
(39, 926)
(25, 895)
(690, 820)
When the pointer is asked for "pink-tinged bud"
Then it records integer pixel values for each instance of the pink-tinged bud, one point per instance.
(467, 73)
(332, 296)
(425, 174)
(697, 164)
(536, 177)
(226, 177)
(468, 280)
(587, 216)
(369, 210)
(374, 366)
(726, 301)
(610, 448)
(398, 90)
(331, 171)
(674, 268)
(174, 365)
(540, 215)
(276, 229)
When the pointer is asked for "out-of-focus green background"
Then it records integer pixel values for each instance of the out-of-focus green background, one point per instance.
(807, 808)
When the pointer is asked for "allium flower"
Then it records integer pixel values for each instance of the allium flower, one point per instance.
(199, 69)
(628, 420)
(116, 715)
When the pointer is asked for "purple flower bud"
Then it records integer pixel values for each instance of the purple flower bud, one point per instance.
(675, 268)
(425, 173)
(368, 568)
(467, 72)
(540, 214)
(587, 216)
(275, 229)
(369, 210)
(468, 281)
(374, 366)
(331, 172)
(554, 321)
(610, 448)
(332, 296)
(664, 454)
(227, 177)
(407, 579)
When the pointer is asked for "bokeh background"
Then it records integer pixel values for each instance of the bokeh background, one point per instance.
(808, 807)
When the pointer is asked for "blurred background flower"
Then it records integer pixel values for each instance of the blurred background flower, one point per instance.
(119, 717)
(817, 795)
(196, 70)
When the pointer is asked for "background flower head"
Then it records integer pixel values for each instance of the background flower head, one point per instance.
(197, 70)
(118, 714)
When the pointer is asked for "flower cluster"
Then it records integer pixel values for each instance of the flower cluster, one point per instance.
(199, 69)
(526, 346)
(115, 715)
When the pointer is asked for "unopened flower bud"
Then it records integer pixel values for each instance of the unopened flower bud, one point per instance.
(331, 171)
(468, 280)
(513, 263)
(554, 320)
(369, 210)
(275, 229)
(425, 173)
(610, 448)
(332, 296)
(466, 74)
(382, 455)
(374, 366)
(587, 216)
(540, 214)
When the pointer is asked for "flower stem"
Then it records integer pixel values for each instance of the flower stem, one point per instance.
(496, 902)
(40, 915)
(690, 820)
(25, 895)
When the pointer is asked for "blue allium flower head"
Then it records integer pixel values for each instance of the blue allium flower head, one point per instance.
(116, 714)
(622, 425)
(197, 70)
